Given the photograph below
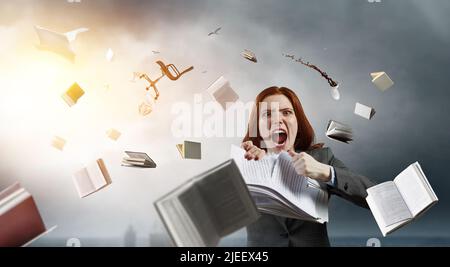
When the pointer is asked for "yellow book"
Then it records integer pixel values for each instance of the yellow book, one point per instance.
(72, 95)
(58, 143)
(113, 134)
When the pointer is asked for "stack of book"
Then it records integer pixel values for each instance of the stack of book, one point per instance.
(249, 55)
(138, 159)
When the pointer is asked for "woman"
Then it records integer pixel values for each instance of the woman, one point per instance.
(278, 123)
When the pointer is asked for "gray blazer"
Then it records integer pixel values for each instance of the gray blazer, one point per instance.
(273, 231)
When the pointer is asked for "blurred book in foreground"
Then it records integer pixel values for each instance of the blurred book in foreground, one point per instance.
(364, 111)
(138, 159)
(91, 178)
(73, 94)
(339, 131)
(60, 43)
(190, 150)
(398, 202)
(222, 92)
(207, 207)
(20, 220)
(381, 80)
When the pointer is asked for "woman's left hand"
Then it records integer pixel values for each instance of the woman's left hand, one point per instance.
(307, 166)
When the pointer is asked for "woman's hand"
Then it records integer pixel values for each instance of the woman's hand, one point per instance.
(307, 166)
(252, 151)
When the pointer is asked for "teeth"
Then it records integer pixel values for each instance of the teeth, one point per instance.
(279, 131)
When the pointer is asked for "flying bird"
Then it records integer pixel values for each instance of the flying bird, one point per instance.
(155, 52)
(215, 32)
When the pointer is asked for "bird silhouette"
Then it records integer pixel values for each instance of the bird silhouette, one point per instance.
(215, 32)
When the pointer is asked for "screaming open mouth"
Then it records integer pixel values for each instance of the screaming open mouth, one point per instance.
(279, 137)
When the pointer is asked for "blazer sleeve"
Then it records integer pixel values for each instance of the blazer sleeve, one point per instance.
(348, 185)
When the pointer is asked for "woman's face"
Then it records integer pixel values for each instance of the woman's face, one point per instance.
(277, 123)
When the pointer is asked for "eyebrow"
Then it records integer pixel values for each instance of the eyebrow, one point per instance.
(282, 109)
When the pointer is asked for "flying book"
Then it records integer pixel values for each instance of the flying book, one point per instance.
(190, 150)
(249, 55)
(20, 220)
(339, 131)
(207, 207)
(277, 189)
(91, 178)
(397, 203)
(364, 111)
(58, 142)
(222, 92)
(113, 134)
(60, 43)
(381, 80)
(138, 159)
(72, 94)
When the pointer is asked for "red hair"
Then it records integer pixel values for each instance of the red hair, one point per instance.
(305, 133)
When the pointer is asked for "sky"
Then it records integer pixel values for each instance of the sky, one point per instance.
(348, 39)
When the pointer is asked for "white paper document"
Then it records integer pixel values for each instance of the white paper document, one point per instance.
(278, 189)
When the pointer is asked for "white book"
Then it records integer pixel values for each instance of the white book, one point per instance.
(20, 220)
(278, 189)
(339, 131)
(398, 202)
(207, 207)
(364, 111)
(381, 80)
(222, 92)
(91, 178)
(60, 43)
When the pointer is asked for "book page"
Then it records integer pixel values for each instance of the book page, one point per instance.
(10, 190)
(204, 231)
(389, 203)
(378, 218)
(228, 199)
(413, 189)
(95, 175)
(13, 199)
(178, 224)
(278, 173)
(83, 182)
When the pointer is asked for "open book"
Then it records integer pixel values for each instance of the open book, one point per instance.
(396, 203)
(207, 207)
(91, 178)
(20, 220)
(339, 131)
(277, 188)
